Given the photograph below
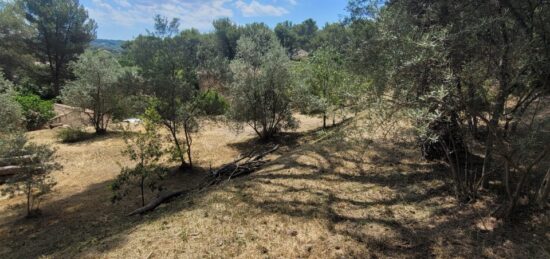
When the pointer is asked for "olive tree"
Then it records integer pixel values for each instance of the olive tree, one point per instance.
(96, 87)
(260, 92)
(32, 165)
(29, 165)
(145, 149)
(323, 83)
(476, 74)
(11, 113)
(168, 61)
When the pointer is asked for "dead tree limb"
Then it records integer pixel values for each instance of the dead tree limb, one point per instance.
(11, 170)
(16, 160)
(156, 202)
(234, 169)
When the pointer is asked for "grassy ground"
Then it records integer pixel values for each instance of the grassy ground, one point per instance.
(322, 195)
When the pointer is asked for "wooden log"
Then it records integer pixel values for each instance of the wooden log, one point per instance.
(55, 125)
(233, 169)
(17, 160)
(10, 170)
(156, 202)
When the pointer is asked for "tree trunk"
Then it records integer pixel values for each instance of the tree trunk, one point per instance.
(172, 130)
(498, 108)
(544, 190)
(188, 142)
(11, 170)
(29, 194)
(142, 196)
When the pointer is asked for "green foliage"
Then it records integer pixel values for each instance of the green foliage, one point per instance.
(286, 35)
(54, 45)
(306, 32)
(146, 150)
(35, 164)
(260, 93)
(213, 67)
(37, 112)
(11, 114)
(474, 73)
(168, 63)
(325, 86)
(96, 87)
(335, 36)
(227, 35)
(14, 35)
(212, 103)
(72, 135)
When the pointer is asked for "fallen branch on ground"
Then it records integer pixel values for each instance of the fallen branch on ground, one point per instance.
(16, 160)
(156, 202)
(242, 166)
(10, 170)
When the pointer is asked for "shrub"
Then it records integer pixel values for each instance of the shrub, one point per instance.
(212, 103)
(145, 149)
(72, 135)
(260, 92)
(11, 113)
(34, 164)
(36, 111)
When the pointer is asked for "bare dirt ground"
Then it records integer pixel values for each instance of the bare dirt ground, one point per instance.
(322, 195)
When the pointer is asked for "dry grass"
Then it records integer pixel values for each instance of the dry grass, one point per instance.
(321, 196)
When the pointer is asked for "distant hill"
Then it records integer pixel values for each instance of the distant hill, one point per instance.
(114, 46)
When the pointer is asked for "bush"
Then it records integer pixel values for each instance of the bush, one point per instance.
(72, 135)
(35, 164)
(212, 103)
(36, 111)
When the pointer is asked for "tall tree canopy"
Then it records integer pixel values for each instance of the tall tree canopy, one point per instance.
(227, 34)
(14, 35)
(63, 32)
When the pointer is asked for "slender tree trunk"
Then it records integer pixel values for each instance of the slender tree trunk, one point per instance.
(142, 196)
(544, 190)
(324, 120)
(498, 108)
(29, 194)
(172, 130)
(188, 141)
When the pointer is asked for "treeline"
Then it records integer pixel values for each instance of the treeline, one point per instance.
(168, 77)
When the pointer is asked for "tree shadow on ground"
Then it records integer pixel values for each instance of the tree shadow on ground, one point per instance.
(76, 222)
(381, 196)
(287, 140)
(385, 191)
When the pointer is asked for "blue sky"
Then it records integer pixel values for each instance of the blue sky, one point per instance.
(125, 19)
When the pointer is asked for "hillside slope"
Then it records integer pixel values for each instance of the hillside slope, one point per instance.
(322, 195)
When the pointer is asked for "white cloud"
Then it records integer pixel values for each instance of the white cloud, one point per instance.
(255, 8)
(128, 13)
